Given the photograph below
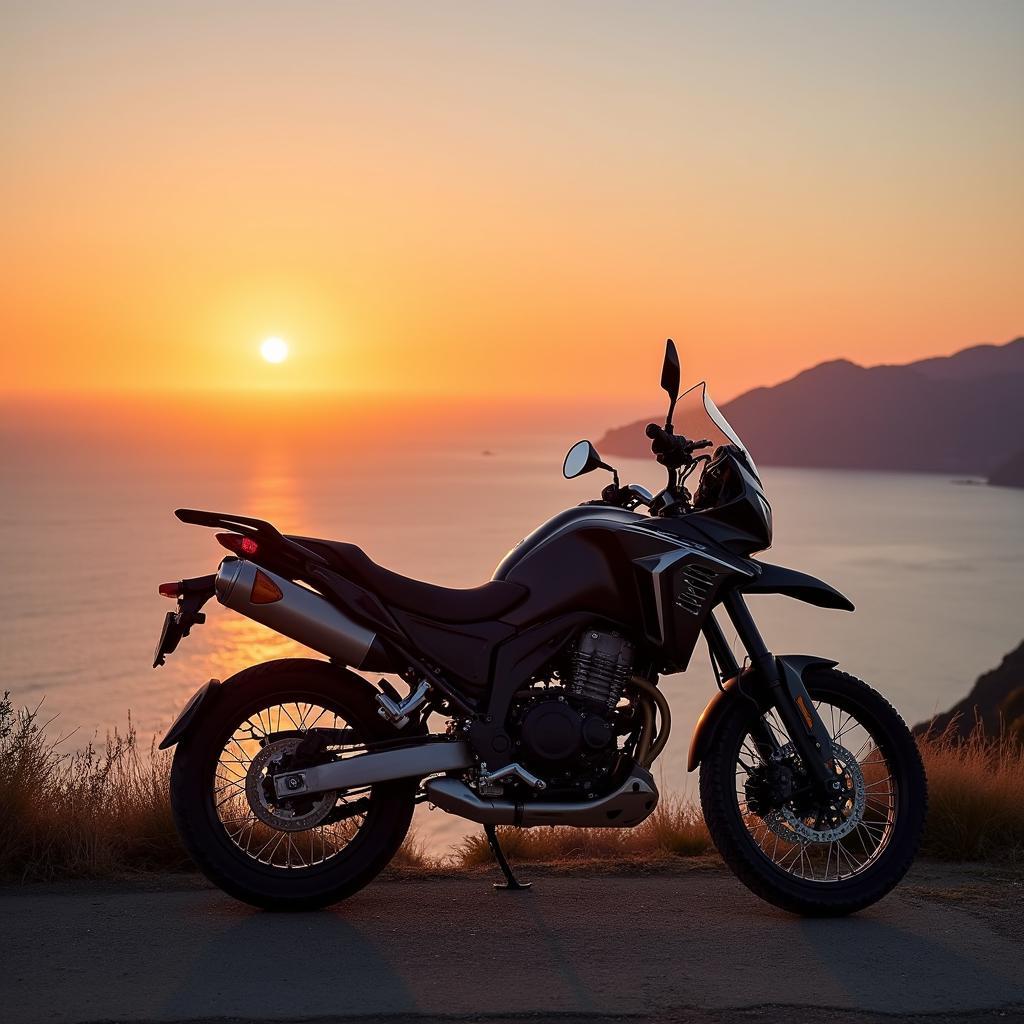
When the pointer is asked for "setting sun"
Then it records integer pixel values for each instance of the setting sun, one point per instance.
(274, 350)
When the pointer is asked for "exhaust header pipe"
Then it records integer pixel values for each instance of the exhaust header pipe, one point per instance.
(298, 613)
(625, 807)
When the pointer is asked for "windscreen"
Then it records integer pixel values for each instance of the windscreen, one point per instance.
(698, 418)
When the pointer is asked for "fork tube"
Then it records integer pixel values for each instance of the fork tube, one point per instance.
(802, 733)
(750, 636)
(721, 652)
(760, 657)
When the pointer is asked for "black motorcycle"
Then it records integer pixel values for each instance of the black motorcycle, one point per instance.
(294, 782)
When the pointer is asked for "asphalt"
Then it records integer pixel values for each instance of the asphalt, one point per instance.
(689, 946)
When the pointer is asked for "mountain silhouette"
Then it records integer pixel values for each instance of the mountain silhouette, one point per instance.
(996, 702)
(1009, 473)
(962, 413)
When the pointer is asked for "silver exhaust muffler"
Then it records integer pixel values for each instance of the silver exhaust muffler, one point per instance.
(625, 807)
(295, 612)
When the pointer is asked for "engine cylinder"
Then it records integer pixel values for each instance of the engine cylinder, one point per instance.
(602, 664)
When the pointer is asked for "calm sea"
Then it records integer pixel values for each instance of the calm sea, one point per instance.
(86, 534)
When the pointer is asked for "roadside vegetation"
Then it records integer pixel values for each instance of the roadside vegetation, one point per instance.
(104, 811)
(93, 813)
(975, 796)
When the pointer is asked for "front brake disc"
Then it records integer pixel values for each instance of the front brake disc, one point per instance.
(785, 822)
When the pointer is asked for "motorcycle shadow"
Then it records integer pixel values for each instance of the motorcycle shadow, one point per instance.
(573, 946)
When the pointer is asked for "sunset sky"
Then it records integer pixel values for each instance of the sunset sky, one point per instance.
(451, 198)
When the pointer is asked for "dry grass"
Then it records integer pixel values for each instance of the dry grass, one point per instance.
(975, 796)
(675, 829)
(105, 811)
(87, 814)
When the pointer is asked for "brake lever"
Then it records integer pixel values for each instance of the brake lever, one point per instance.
(628, 497)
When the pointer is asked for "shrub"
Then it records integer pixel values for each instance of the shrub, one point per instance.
(975, 796)
(83, 814)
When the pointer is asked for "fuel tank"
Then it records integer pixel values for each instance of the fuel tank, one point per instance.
(653, 579)
(580, 560)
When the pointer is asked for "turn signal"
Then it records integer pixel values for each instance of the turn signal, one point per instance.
(264, 590)
(170, 590)
(244, 546)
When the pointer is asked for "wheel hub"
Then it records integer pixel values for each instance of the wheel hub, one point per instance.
(813, 821)
(284, 815)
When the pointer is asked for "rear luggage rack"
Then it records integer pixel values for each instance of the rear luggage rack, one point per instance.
(286, 554)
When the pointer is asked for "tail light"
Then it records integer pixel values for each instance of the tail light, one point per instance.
(171, 590)
(244, 547)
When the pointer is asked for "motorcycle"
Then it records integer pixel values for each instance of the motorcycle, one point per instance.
(294, 782)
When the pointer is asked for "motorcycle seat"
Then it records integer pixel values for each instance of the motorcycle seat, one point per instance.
(443, 604)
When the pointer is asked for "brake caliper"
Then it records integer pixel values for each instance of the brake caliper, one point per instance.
(768, 787)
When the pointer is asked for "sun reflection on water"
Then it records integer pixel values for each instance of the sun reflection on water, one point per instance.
(272, 492)
(237, 642)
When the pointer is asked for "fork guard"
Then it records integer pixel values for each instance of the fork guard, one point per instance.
(791, 666)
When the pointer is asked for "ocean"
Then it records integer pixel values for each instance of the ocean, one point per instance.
(934, 565)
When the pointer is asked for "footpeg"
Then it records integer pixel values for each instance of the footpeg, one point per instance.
(399, 712)
(510, 772)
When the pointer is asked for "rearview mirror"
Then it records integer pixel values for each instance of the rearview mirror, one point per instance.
(582, 458)
(670, 378)
(670, 370)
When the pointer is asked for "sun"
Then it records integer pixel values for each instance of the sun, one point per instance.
(274, 350)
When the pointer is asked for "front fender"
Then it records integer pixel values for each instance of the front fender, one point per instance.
(776, 579)
(718, 706)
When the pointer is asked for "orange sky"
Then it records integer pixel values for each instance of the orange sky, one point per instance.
(468, 198)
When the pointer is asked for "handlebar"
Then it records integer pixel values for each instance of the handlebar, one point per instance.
(664, 443)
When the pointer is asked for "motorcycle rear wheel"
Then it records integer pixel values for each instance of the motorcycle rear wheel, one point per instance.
(812, 861)
(237, 842)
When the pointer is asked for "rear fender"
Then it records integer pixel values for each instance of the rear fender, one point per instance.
(203, 700)
(205, 695)
(746, 685)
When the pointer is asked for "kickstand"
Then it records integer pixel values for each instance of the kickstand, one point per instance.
(511, 883)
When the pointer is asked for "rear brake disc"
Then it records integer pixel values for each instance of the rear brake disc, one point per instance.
(291, 815)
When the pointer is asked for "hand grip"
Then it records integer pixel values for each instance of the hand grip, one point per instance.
(662, 441)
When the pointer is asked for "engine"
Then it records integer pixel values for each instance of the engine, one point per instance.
(567, 733)
(601, 666)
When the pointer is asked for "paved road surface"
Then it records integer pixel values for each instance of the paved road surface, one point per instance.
(692, 946)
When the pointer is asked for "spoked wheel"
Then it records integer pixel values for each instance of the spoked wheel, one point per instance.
(296, 833)
(802, 852)
(296, 853)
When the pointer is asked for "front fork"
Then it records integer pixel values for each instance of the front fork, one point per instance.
(786, 692)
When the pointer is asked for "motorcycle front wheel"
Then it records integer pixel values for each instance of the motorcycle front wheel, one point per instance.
(803, 854)
(296, 854)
